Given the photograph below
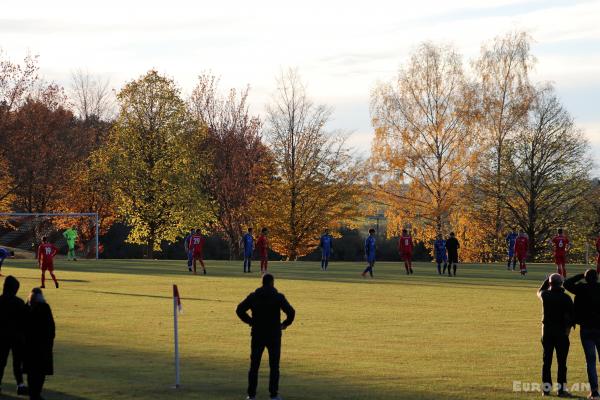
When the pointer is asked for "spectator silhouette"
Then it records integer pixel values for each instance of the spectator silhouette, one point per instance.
(557, 324)
(39, 340)
(587, 315)
(12, 320)
(265, 303)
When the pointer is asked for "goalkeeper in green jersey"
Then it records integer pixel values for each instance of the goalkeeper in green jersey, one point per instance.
(71, 236)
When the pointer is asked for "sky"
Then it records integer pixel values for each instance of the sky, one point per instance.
(341, 48)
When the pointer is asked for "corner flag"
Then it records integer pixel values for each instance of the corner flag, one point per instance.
(177, 299)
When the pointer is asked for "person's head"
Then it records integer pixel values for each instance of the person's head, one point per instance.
(73, 227)
(556, 280)
(440, 236)
(326, 231)
(36, 296)
(45, 239)
(11, 286)
(11, 253)
(371, 231)
(192, 231)
(268, 280)
(452, 234)
(198, 230)
(591, 276)
(560, 231)
(404, 232)
(250, 230)
(521, 232)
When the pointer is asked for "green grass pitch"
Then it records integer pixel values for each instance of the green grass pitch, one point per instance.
(394, 337)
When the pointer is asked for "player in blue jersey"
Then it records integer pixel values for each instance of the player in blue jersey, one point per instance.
(511, 239)
(370, 248)
(188, 251)
(248, 242)
(326, 245)
(439, 250)
(4, 254)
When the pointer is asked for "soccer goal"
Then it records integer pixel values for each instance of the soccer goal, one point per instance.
(23, 232)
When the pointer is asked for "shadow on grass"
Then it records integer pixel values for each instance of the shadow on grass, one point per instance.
(150, 296)
(100, 372)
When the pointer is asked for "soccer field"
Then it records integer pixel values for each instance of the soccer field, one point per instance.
(394, 337)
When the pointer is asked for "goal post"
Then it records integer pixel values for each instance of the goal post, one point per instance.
(93, 216)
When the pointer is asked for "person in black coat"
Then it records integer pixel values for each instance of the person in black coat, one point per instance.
(587, 315)
(557, 324)
(12, 320)
(265, 303)
(452, 247)
(39, 339)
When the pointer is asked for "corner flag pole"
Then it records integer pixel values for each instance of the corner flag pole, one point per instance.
(176, 310)
(97, 237)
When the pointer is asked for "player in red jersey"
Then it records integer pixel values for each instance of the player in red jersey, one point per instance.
(262, 245)
(405, 248)
(196, 246)
(598, 251)
(561, 246)
(521, 249)
(45, 255)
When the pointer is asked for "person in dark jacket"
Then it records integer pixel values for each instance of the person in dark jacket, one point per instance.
(587, 315)
(452, 247)
(265, 303)
(39, 340)
(557, 324)
(12, 330)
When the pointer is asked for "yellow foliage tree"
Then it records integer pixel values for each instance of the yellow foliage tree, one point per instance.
(152, 169)
(424, 142)
(316, 181)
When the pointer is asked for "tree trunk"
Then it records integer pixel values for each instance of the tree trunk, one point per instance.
(150, 245)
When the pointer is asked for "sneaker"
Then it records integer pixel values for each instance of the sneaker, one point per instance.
(43, 287)
(22, 390)
(594, 396)
(276, 398)
(56, 284)
(74, 259)
(204, 272)
(190, 269)
(411, 271)
(546, 394)
(250, 398)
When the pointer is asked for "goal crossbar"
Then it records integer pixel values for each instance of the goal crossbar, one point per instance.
(95, 215)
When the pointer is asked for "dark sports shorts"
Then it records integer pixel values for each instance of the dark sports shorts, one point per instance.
(453, 258)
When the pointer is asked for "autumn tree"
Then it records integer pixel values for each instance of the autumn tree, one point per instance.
(549, 171)
(424, 142)
(153, 170)
(40, 144)
(504, 96)
(238, 157)
(317, 180)
(16, 81)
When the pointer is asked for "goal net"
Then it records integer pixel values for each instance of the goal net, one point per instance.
(23, 232)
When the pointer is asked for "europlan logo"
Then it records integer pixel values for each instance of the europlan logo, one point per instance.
(519, 386)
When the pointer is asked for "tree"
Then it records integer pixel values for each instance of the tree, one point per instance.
(152, 168)
(504, 98)
(424, 145)
(317, 181)
(40, 144)
(549, 171)
(92, 97)
(239, 158)
(16, 80)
